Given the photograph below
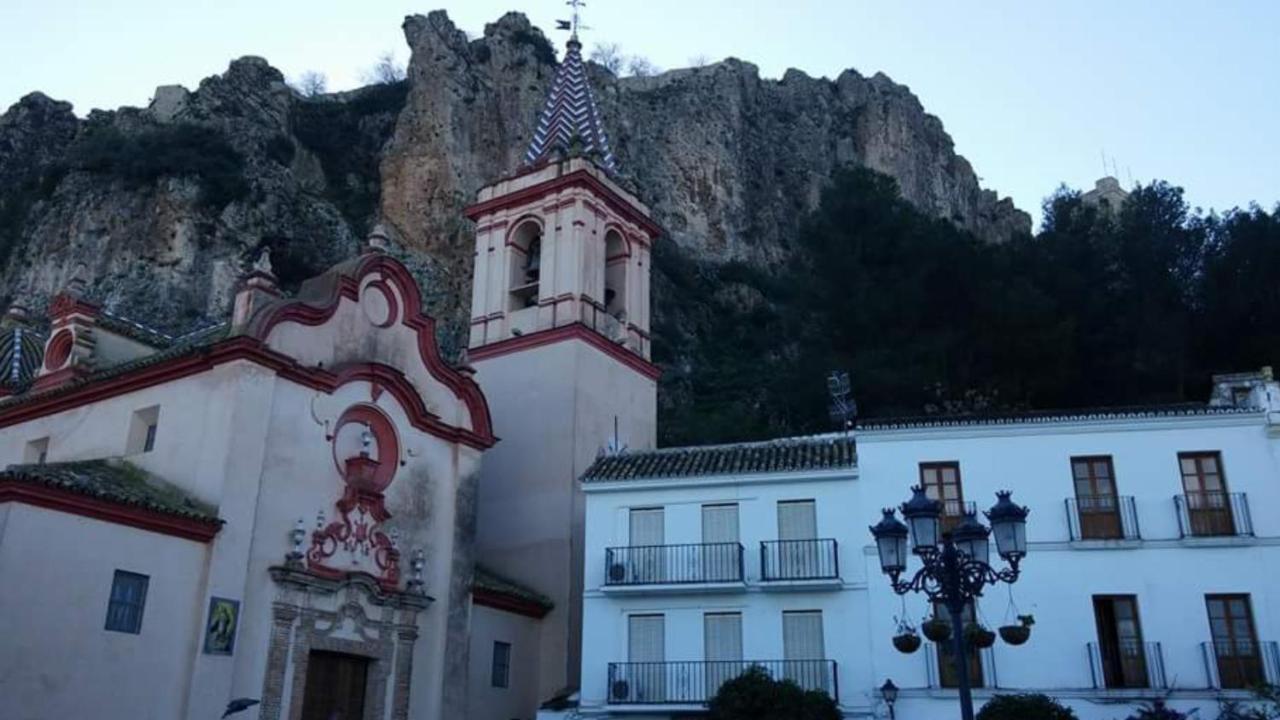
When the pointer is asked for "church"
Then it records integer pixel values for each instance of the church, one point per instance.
(304, 511)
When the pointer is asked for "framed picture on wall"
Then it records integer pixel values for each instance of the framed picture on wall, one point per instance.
(220, 627)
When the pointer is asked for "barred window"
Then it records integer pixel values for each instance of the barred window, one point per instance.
(501, 675)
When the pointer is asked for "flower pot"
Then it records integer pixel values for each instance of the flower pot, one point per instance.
(936, 629)
(906, 643)
(1015, 634)
(979, 637)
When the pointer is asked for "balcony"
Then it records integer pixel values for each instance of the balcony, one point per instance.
(695, 682)
(800, 564)
(1240, 665)
(1213, 514)
(953, 512)
(1102, 517)
(1128, 665)
(704, 567)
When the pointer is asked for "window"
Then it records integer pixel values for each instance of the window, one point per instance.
(941, 481)
(128, 596)
(796, 554)
(947, 675)
(1096, 499)
(646, 672)
(1205, 490)
(525, 251)
(722, 648)
(721, 553)
(803, 651)
(36, 452)
(500, 677)
(1235, 643)
(142, 430)
(797, 520)
(1120, 648)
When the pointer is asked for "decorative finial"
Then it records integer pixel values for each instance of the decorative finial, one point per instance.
(416, 565)
(298, 535)
(378, 239)
(574, 24)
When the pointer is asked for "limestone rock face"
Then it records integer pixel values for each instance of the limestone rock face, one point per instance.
(730, 162)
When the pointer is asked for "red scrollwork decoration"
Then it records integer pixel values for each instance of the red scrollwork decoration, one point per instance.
(357, 531)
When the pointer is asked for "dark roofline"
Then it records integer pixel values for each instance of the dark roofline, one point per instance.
(490, 589)
(1042, 417)
(798, 454)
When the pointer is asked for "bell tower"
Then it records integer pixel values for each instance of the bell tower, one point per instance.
(560, 344)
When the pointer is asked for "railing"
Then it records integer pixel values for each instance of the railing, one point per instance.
(799, 560)
(695, 682)
(1241, 664)
(1128, 664)
(1102, 517)
(673, 564)
(953, 512)
(1210, 514)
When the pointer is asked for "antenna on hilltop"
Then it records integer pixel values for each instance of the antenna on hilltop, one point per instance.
(843, 407)
(574, 24)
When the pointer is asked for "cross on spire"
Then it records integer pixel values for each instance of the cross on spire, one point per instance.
(576, 19)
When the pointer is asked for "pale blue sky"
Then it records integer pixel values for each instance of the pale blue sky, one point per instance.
(1032, 92)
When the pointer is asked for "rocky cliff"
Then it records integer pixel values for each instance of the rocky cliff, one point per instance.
(161, 204)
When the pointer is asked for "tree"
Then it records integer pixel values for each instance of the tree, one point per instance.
(754, 695)
(609, 56)
(311, 83)
(1029, 706)
(640, 66)
(699, 61)
(386, 71)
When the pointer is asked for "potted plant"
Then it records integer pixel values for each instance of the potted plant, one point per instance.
(907, 640)
(1020, 633)
(936, 629)
(978, 636)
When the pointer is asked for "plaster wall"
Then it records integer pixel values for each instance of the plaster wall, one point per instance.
(486, 702)
(554, 408)
(56, 658)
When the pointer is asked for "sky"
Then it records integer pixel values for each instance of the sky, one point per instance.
(1034, 94)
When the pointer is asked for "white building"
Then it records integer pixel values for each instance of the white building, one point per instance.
(1150, 532)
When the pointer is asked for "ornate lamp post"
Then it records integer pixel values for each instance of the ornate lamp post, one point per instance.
(956, 565)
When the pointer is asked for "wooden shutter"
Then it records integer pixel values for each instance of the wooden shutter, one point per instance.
(797, 520)
(723, 636)
(646, 638)
(802, 636)
(720, 523)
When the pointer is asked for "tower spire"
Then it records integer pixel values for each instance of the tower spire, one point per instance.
(569, 119)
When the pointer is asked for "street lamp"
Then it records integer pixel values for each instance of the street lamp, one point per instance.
(955, 572)
(889, 692)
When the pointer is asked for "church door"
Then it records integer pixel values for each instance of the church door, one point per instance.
(335, 687)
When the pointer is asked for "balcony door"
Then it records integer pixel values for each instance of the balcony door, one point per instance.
(646, 653)
(1096, 499)
(1124, 662)
(941, 482)
(646, 563)
(1235, 641)
(1208, 504)
(720, 558)
(948, 676)
(722, 649)
(803, 650)
(797, 529)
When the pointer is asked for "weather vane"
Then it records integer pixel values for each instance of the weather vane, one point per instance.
(574, 24)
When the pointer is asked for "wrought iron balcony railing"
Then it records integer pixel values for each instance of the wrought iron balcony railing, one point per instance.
(1127, 664)
(953, 512)
(673, 564)
(1102, 517)
(1240, 664)
(783, 560)
(695, 682)
(1213, 514)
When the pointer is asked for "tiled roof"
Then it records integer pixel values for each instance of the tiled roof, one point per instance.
(486, 579)
(796, 454)
(569, 116)
(114, 481)
(1034, 417)
(21, 351)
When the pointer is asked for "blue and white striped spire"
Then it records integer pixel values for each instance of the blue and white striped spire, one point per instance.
(569, 118)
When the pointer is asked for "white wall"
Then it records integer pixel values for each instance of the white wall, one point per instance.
(56, 658)
(485, 702)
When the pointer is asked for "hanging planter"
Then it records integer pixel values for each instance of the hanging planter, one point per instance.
(978, 636)
(1020, 633)
(936, 629)
(907, 640)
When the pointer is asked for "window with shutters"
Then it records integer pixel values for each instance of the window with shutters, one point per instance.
(1096, 499)
(722, 649)
(128, 598)
(1235, 641)
(645, 557)
(796, 554)
(1205, 490)
(1120, 647)
(646, 673)
(721, 556)
(941, 481)
(803, 650)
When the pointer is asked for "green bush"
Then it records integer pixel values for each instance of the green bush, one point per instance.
(754, 695)
(1028, 706)
(1157, 710)
(182, 150)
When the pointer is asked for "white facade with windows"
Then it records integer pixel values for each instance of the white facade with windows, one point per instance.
(1150, 534)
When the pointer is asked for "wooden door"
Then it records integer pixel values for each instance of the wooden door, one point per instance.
(948, 676)
(1235, 642)
(1096, 501)
(941, 481)
(1205, 487)
(335, 687)
(1124, 661)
